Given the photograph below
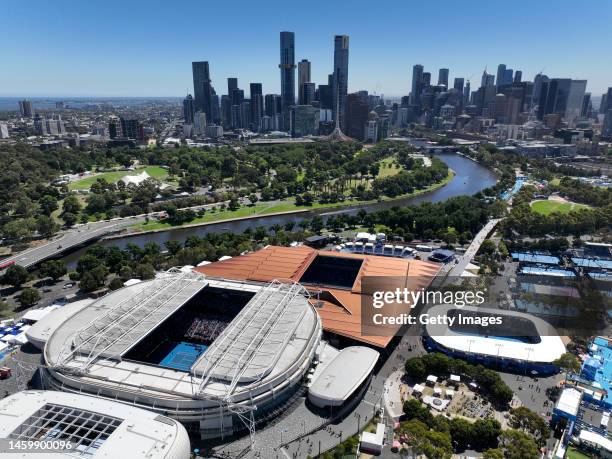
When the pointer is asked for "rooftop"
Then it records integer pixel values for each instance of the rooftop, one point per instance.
(339, 306)
(94, 427)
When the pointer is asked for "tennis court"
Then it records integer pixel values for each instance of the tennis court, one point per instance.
(183, 355)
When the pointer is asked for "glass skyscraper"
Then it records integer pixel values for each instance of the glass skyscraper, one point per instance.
(287, 70)
(340, 88)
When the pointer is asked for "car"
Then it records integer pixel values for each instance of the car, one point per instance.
(68, 285)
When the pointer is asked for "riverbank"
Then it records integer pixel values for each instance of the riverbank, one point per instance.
(268, 209)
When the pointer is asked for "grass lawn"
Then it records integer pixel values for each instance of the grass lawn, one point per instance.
(573, 453)
(555, 181)
(548, 207)
(155, 172)
(387, 168)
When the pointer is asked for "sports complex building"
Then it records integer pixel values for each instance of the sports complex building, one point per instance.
(522, 342)
(227, 345)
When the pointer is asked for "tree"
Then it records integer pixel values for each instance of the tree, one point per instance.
(173, 246)
(15, 275)
(48, 204)
(69, 219)
(115, 284)
(253, 198)
(495, 453)
(568, 362)
(532, 423)
(46, 226)
(94, 278)
(461, 433)
(53, 269)
(29, 296)
(518, 445)
(415, 368)
(71, 205)
(144, 271)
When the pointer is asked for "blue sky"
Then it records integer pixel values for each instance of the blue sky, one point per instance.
(145, 48)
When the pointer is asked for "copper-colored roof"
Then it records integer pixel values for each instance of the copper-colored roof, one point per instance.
(339, 309)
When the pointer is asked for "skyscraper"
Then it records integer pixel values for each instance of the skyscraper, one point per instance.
(443, 77)
(417, 84)
(518, 76)
(357, 112)
(287, 70)
(232, 84)
(501, 70)
(458, 85)
(188, 109)
(25, 107)
(340, 88)
(202, 89)
(257, 106)
(303, 77)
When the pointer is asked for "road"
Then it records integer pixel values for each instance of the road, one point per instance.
(68, 240)
(453, 271)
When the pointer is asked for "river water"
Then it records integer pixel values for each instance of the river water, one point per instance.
(469, 179)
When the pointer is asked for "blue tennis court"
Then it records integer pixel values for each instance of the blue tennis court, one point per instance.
(183, 356)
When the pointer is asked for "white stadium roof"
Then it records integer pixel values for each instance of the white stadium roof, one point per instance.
(344, 374)
(93, 426)
(549, 349)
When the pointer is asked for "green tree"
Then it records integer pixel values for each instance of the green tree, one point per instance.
(29, 296)
(518, 445)
(48, 204)
(15, 275)
(253, 199)
(530, 422)
(415, 368)
(71, 205)
(53, 269)
(494, 453)
(94, 278)
(69, 219)
(115, 284)
(46, 226)
(568, 362)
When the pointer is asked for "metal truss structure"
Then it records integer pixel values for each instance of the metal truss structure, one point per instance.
(125, 323)
(250, 346)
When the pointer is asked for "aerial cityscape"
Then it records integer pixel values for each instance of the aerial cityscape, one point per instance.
(343, 244)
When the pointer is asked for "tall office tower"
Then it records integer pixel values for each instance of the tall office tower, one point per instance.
(245, 114)
(132, 128)
(114, 127)
(458, 85)
(508, 77)
(226, 111)
(303, 77)
(215, 109)
(326, 99)
(586, 110)
(232, 84)
(487, 79)
(287, 71)
(537, 87)
(573, 107)
(257, 106)
(607, 124)
(357, 112)
(202, 89)
(340, 88)
(606, 102)
(518, 76)
(25, 107)
(466, 93)
(426, 81)
(417, 84)
(307, 93)
(188, 109)
(499, 80)
(237, 96)
(443, 77)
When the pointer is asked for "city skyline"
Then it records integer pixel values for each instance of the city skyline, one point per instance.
(157, 64)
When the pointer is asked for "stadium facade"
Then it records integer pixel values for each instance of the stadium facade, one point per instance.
(521, 343)
(216, 355)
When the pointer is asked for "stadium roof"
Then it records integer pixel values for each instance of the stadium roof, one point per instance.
(334, 385)
(339, 308)
(536, 258)
(549, 349)
(95, 427)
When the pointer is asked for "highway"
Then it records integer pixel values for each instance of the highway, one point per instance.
(68, 240)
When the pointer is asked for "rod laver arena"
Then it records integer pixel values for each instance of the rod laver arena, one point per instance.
(211, 353)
